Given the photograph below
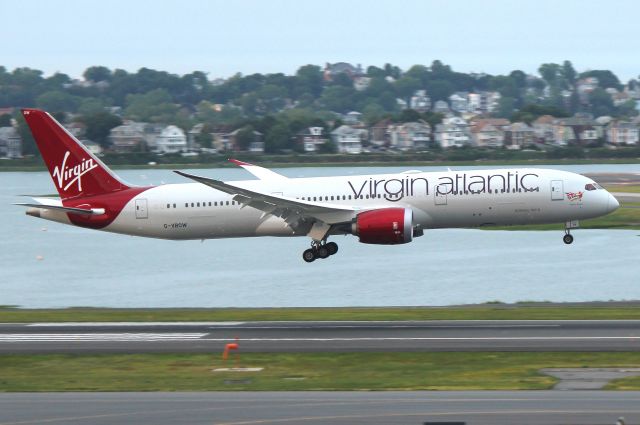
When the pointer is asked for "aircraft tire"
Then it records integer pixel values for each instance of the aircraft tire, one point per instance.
(322, 252)
(309, 255)
(568, 239)
(332, 247)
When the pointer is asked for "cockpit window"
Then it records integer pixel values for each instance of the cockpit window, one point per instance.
(590, 186)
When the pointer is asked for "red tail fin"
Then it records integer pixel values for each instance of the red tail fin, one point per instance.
(75, 171)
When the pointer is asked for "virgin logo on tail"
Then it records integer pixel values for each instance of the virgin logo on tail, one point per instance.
(66, 176)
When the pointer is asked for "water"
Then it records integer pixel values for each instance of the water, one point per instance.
(80, 267)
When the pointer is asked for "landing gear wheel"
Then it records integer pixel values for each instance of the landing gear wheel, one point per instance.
(322, 251)
(308, 255)
(568, 239)
(332, 247)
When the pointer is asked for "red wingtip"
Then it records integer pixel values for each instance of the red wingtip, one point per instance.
(238, 162)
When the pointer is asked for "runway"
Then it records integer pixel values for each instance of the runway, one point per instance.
(207, 337)
(316, 408)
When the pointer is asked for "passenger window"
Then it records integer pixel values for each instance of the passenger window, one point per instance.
(168, 205)
(198, 204)
(227, 202)
(174, 205)
(192, 205)
(186, 205)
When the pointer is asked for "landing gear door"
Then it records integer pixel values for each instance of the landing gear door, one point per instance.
(440, 198)
(141, 208)
(557, 190)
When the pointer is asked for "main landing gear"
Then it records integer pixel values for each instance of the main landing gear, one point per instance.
(319, 250)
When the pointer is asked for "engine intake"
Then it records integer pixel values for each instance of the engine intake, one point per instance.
(389, 226)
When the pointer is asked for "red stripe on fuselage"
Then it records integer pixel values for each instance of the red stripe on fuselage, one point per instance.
(113, 203)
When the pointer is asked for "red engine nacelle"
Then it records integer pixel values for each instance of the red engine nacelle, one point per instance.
(389, 226)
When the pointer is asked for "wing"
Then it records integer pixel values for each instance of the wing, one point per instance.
(260, 172)
(300, 215)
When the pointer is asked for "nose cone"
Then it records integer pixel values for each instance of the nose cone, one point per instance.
(612, 204)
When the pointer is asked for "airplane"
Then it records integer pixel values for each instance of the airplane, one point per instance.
(384, 209)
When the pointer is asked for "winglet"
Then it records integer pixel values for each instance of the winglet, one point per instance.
(260, 172)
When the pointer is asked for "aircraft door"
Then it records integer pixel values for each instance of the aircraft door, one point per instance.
(557, 191)
(439, 198)
(141, 208)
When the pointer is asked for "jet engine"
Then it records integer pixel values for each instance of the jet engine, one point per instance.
(388, 226)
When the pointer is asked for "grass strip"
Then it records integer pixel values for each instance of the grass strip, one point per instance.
(298, 371)
(491, 311)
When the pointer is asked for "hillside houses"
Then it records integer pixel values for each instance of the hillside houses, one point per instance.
(10, 143)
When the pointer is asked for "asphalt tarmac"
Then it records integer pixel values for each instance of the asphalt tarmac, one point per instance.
(208, 337)
(315, 408)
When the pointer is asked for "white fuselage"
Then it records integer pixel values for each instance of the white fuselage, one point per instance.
(438, 200)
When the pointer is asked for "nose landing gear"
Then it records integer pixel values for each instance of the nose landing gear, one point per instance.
(568, 237)
(319, 250)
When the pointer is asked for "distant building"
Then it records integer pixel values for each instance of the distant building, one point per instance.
(622, 133)
(92, 146)
(518, 135)
(380, 133)
(348, 139)
(332, 70)
(543, 128)
(487, 135)
(580, 129)
(458, 102)
(453, 132)
(10, 143)
(311, 139)
(361, 83)
(128, 137)
(441, 107)
(257, 146)
(171, 140)
(352, 118)
(77, 129)
(420, 101)
(192, 137)
(410, 135)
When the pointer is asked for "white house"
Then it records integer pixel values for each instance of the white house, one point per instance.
(171, 140)
(10, 143)
(453, 132)
(348, 139)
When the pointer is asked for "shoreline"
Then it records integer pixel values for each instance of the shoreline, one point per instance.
(269, 163)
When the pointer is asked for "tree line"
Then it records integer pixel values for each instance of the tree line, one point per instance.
(280, 105)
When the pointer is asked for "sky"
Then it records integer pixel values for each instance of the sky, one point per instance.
(224, 37)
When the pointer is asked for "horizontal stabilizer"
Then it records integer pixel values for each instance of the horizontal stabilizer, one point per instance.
(70, 210)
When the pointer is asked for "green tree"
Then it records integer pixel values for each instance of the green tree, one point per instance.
(99, 125)
(506, 105)
(57, 101)
(245, 137)
(569, 73)
(409, 115)
(406, 86)
(5, 120)
(309, 80)
(606, 79)
(550, 73)
(278, 138)
(97, 74)
(601, 103)
(28, 143)
(153, 106)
